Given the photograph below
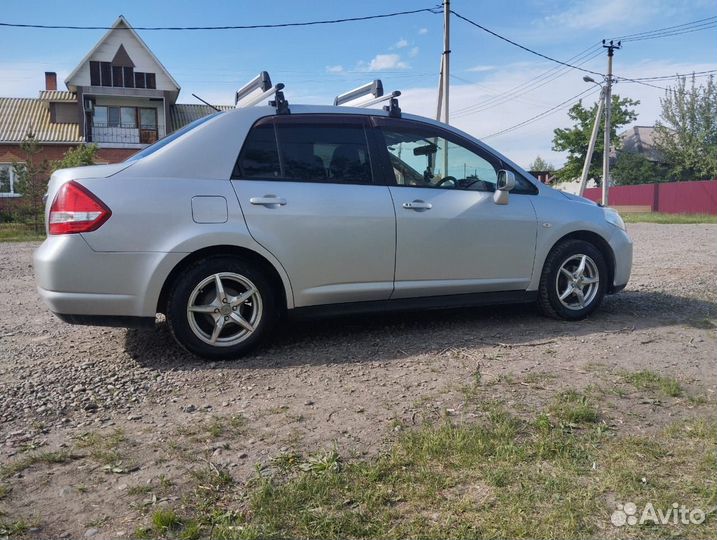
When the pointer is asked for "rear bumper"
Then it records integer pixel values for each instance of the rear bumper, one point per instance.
(107, 320)
(75, 281)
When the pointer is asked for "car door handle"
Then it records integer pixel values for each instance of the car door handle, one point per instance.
(417, 205)
(268, 200)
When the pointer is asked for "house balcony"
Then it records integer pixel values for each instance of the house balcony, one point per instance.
(121, 136)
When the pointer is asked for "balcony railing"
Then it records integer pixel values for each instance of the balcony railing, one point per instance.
(120, 134)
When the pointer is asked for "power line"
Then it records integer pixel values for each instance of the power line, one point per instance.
(227, 27)
(568, 102)
(520, 90)
(676, 76)
(532, 51)
(687, 27)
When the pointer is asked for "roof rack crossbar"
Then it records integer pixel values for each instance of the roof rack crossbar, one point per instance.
(375, 88)
(261, 82)
(264, 95)
(380, 99)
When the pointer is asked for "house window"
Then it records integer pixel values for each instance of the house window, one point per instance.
(8, 180)
(107, 74)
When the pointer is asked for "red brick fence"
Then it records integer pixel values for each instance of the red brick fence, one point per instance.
(699, 197)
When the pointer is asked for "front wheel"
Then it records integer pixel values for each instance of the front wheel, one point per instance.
(573, 281)
(220, 308)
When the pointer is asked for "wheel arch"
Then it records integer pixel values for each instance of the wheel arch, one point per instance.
(241, 252)
(599, 242)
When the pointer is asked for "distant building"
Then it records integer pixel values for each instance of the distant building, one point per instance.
(119, 97)
(639, 140)
(545, 177)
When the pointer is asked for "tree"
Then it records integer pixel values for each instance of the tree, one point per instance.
(539, 164)
(31, 181)
(77, 157)
(687, 131)
(633, 168)
(575, 140)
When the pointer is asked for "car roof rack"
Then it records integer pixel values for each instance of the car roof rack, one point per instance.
(262, 82)
(375, 89)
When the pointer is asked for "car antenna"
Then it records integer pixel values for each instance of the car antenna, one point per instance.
(206, 102)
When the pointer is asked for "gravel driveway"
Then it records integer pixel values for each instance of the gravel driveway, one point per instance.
(349, 383)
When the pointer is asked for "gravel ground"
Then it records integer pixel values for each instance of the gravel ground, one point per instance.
(349, 383)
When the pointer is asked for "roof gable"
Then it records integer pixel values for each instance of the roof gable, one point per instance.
(123, 43)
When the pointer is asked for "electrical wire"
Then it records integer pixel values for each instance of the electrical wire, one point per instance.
(676, 76)
(567, 103)
(227, 27)
(532, 51)
(685, 28)
(521, 90)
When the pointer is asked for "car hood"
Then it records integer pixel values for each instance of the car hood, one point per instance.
(576, 198)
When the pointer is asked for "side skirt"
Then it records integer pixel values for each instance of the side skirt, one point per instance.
(412, 304)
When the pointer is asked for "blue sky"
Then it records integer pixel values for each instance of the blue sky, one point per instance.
(318, 62)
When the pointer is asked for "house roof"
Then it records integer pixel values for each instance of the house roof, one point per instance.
(640, 140)
(121, 22)
(20, 116)
(58, 95)
(182, 114)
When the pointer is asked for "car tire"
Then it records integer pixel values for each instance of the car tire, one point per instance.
(221, 307)
(573, 281)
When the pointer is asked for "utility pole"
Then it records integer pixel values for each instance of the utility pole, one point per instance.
(611, 47)
(442, 109)
(593, 140)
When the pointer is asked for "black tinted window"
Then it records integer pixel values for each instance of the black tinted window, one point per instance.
(259, 157)
(324, 152)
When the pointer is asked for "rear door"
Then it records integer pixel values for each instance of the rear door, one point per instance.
(306, 187)
(451, 237)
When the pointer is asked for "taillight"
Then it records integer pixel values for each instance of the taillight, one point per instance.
(76, 210)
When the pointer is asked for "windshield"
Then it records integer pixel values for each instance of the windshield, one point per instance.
(169, 138)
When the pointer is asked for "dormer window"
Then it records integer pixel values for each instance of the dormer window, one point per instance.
(120, 73)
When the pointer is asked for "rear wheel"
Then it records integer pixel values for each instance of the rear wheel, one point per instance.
(573, 281)
(221, 308)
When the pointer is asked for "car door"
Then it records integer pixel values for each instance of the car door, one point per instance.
(452, 237)
(306, 187)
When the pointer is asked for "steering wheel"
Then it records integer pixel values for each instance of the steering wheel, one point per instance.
(446, 179)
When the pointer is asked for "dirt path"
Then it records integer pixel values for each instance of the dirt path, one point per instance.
(96, 422)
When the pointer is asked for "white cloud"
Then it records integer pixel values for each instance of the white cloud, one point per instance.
(400, 44)
(335, 69)
(613, 15)
(413, 52)
(383, 62)
(481, 69)
(422, 31)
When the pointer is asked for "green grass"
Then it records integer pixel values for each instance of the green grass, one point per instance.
(651, 381)
(28, 460)
(658, 217)
(500, 477)
(19, 232)
(103, 447)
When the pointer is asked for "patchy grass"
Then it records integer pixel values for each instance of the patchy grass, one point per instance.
(501, 477)
(649, 380)
(28, 460)
(657, 217)
(19, 232)
(574, 408)
(4, 491)
(103, 447)
(12, 529)
(216, 427)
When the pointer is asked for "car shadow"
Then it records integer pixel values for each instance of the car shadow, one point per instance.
(385, 337)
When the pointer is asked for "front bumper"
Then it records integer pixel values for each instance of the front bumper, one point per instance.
(74, 280)
(621, 245)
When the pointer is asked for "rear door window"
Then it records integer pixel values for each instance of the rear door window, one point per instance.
(307, 148)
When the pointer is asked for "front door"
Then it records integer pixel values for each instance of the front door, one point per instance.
(451, 237)
(306, 186)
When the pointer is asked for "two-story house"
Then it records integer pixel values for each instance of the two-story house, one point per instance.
(119, 97)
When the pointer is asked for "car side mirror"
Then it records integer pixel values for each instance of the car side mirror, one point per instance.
(504, 183)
